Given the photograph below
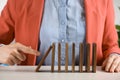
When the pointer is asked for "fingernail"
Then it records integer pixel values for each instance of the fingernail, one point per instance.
(103, 68)
(29, 47)
(24, 58)
(111, 71)
(38, 53)
(117, 71)
(106, 69)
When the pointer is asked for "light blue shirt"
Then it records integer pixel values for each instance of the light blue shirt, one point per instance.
(63, 21)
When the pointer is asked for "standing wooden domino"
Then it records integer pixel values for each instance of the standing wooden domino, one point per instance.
(59, 57)
(66, 59)
(88, 58)
(73, 57)
(94, 47)
(81, 53)
(53, 57)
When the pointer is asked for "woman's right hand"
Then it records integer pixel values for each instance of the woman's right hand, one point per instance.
(13, 53)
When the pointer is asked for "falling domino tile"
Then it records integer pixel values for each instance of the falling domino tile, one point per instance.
(43, 59)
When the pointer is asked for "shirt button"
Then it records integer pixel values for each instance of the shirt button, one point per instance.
(63, 40)
(56, 59)
(63, 5)
(63, 59)
(62, 62)
(63, 23)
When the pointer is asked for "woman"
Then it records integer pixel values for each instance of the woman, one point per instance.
(38, 23)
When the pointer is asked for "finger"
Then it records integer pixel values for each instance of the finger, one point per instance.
(104, 64)
(27, 50)
(24, 56)
(15, 60)
(9, 62)
(114, 64)
(18, 55)
(109, 62)
(118, 68)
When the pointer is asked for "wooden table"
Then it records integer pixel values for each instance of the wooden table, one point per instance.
(28, 73)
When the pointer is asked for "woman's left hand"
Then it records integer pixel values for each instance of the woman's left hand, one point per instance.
(112, 63)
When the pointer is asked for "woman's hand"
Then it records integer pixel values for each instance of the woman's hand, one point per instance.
(13, 53)
(112, 63)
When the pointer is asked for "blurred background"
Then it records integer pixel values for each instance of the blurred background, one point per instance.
(2, 4)
(116, 8)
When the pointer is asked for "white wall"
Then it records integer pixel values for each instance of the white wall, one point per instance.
(116, 5)
(2, 3)
(117, 11)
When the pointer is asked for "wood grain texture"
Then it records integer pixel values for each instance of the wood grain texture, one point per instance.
(66, 58)
(59, 57)
(53, 57)
(88, 58)
(94, 58)
(73, 57)
(43, 59)
(81, 53)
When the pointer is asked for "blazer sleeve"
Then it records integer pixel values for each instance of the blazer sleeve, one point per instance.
(7, 23)
(110, 37)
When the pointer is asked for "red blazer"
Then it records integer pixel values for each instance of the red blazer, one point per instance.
(21, 19)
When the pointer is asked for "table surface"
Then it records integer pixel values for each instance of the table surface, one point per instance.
(28, 73)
